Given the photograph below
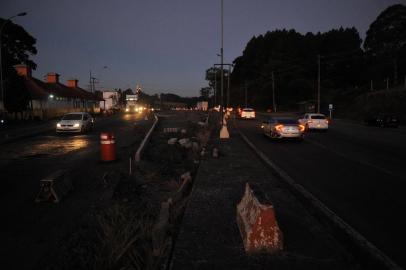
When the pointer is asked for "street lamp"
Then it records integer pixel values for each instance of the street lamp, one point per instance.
(1, 48)
(223, 131)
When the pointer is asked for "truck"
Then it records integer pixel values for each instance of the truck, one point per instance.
(131, 103)
(202, 105)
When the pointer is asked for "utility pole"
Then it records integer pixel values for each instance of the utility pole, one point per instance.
(273, 92)
(318, 83)
(223, 131)
(387, 83)
(228, 86)
(221, 71)
(90, 81)
(372, 85)
(215, 86)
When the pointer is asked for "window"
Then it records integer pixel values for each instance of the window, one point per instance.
(318, 117)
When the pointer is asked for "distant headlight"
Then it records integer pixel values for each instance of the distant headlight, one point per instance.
(152, 109)
(127, 109)
(58, 125)
(76, 125)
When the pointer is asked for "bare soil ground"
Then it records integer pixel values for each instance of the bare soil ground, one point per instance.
(130, 228)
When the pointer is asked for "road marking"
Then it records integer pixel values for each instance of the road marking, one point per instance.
(365, 163)
(356, 238)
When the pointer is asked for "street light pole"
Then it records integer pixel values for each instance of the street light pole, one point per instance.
(273, 92)
(221, 72)
(223, 131)
(215, 86)
(1, 52)
(228, 86)
(318, 84)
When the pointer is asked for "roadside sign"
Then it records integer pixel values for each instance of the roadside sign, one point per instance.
(330, 106)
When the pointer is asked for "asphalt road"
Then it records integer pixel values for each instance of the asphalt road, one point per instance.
(355, 170)
(29, 229)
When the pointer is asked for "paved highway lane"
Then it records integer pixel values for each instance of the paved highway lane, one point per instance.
(360, 179)
(29, 229)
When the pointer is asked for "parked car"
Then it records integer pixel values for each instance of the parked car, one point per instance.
(382, 120)
(316, 121)
(279, 128)
(75, 122)
(248, 113)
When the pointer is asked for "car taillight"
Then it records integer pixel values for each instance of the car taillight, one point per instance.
(279, 127)
(301, 128)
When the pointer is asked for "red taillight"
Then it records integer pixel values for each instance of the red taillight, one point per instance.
(279, 127)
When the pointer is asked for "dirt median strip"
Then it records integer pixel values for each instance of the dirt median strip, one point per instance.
(360, 242)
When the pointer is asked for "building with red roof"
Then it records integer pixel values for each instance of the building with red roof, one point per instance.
(52, 99)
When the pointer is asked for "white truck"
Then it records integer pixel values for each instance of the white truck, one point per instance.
(131, 103)
(202, 105)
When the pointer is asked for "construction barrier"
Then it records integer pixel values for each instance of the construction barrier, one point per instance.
(257, 223)
(54, 187)
(107, 147)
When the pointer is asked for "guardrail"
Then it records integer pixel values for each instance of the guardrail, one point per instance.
(145, 141)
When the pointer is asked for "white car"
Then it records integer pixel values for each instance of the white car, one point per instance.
(75, 122)
(316, 121)
(248, 113)
(283, 128)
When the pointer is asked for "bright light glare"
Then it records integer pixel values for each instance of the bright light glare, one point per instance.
(76, 125)
(279, 127)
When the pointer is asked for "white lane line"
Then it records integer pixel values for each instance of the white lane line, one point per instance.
(355, 236)
(365, 163)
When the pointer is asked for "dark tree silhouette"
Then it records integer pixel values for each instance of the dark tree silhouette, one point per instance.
(17, 47)
(386, 40)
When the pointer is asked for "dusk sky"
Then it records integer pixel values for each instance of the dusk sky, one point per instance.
(166, 45)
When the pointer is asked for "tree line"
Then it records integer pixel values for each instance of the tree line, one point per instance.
(290, 66)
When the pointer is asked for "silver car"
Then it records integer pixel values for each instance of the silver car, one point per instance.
(279, 128)
(75, 122)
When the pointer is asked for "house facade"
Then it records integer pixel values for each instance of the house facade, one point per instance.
(52, 99)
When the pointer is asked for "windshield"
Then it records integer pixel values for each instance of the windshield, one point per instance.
(287, 121)
(72, 116)
(318, 117)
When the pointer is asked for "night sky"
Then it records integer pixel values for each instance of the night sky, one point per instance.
(166, 45)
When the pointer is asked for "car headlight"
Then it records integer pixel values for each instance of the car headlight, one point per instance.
(58, 125)
(127, 110)
(76, 125)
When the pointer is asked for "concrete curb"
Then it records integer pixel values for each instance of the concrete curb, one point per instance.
(145, 141)
(356, 239)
